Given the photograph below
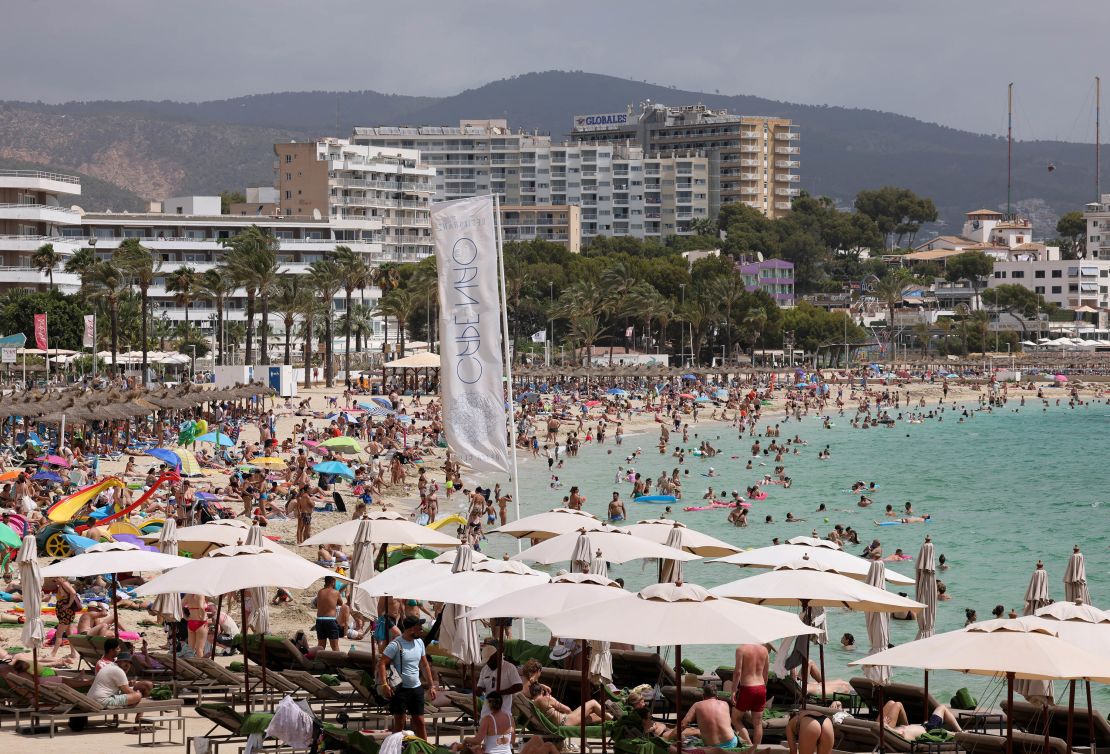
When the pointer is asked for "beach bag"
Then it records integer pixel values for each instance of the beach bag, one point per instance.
(393, 670)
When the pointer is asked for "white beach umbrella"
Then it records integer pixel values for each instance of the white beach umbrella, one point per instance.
(1036, 594)
(361, 602)
(926, 589)
(1075, 578)
(398, 580)
(168, 605)
(458, 634)
(550, 524)
(479, 584)
(390, 529)
(616, 545)
(201, 539)
(1020, 649)
(807, 584)
(1024, 648)
(259, 618)
(671, 570)
(582, 554)
(671, 614)
(878, 627)
(841, 562)
(813, 541)
(601, 655)
(564, 592)
(30, 579)
(231, 569)
(1076, 624)
(113, 557)
(693, 541)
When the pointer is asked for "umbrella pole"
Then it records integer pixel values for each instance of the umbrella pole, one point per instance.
(805, 665)
(925, 697)
(1071, 712)
(35, 660)
(583, 685)
(821, 654)
(1010, 716)
(1090, 718)
(219, 604)
(246, 658)
(115, 603)
(882, 720)
(1047, 729)
(678, 698)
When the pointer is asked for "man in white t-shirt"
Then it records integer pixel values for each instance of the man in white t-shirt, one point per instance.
(487, 680)
(111, 688)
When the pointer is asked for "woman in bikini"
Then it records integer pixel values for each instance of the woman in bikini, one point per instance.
(809, 732)
(195, 606)
(66, 606)
(561, 714)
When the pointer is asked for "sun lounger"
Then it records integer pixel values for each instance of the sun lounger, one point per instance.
(631, 668)
(60, 702)
(88, 651)
(1031, 719)
(193, 678)
(1024, 743)
(321, 692)
(281, 654)
(911, 697)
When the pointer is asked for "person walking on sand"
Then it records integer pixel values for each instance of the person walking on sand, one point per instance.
(328, 602)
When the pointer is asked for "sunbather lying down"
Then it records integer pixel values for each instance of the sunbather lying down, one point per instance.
(894, 717)
(832, 685)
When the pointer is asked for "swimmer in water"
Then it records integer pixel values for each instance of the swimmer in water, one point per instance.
(864, 501)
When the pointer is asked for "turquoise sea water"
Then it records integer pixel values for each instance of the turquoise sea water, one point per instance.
(1004, 489)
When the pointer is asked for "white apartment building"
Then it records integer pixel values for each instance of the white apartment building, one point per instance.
(351, 184)
(34, 208)
(1070, 283)
(1097, 215)
(621, 189)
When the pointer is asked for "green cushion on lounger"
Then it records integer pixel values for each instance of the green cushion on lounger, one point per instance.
(518, 651)
(963, 700)
(235, 666)
(443, 661)
(691, 667)
(420, 746)
(256, 722)
(652, 745)
(937, 735)
(329, 680)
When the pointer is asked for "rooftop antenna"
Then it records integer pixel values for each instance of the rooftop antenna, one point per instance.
(1098, 118)
(1009, 151)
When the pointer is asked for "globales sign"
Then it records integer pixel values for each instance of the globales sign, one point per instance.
(599, 121)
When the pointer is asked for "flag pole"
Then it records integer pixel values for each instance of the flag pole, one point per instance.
(508, 364)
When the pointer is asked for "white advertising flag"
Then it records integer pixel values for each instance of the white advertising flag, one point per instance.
(539, 336)
(471, 385)
(89, 338)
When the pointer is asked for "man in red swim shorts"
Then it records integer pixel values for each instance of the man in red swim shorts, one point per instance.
(749, 684)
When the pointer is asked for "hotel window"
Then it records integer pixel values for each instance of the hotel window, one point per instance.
(1018, 274)
(1039, 274)
(1039, 289)
(1057, 273)
(288, 158)
(1056, 289)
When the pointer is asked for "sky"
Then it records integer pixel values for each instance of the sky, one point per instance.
(944, 61)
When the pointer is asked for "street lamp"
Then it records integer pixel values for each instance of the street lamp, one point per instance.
(193, 367)
(550, 320)
(682, 329)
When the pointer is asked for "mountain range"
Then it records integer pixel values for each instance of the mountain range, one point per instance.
(132, 151)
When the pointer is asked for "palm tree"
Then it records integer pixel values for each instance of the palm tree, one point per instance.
(82, 260)
(582, 305)
(754, 321)
(425, 284)
(104, 282)
(137, 261)
(327, 279)
(163, 329)
(45, 259)
(183, 283)
(252, 261)
(356, 274)
(292, 296)
(890, 290)
(619, 281)
(386, 277)
(699, 313)
(399, 304)
(360, 318)
(730, 291)
(216, 285)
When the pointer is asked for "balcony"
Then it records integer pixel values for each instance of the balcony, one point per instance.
(749, 176)
(787, 178)
(750, 149)
(383, 185)
(29, 276)
(787, 164)
(788, 192)
(40, 213)
(749, 190)
(757, 205)
(788, 150)
(783, 205)
(32, 243)
(40, 180)
(749, 134)
(749, 163)
(788, 135)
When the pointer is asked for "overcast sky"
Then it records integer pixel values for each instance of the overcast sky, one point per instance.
(946, 61)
